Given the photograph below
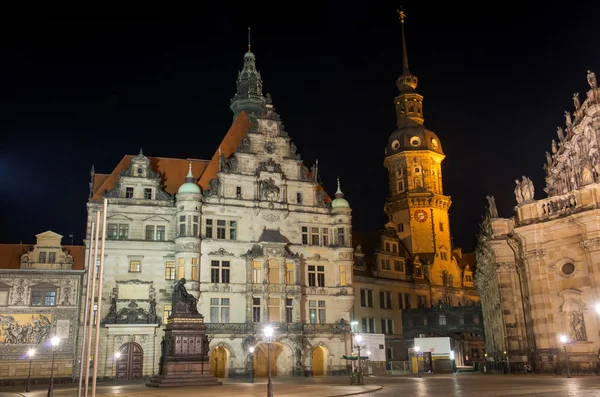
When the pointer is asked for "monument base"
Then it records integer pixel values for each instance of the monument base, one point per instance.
(184, 373)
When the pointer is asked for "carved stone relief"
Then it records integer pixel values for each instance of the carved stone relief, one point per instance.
(269, 191)
(221, 252)
(187, 247)
(270, 217)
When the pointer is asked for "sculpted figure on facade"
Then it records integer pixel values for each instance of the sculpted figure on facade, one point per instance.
(492, 210)
(269, 190)
(578, 327)
(183, 301)
(518, 192)
(548, 158)
(527, 189)
(561, 135)
(244, 146)
(591, 78)
(576, 101)
(554, 149)
(214, 187)
(568, 120)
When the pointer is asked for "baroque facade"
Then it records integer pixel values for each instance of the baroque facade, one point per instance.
(538, 270)
(39, 286)
(254, 234)
(411, 267)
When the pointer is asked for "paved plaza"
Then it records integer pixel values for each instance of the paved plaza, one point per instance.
(464, 385)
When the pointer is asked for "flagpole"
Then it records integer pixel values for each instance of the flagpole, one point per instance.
(95, 374)
(91, 308)
(86, 305)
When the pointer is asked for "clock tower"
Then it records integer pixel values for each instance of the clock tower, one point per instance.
(417, 207)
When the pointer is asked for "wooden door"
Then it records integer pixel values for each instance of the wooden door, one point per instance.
(130, 364)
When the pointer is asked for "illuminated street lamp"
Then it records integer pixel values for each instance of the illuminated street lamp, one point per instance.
(268, 334)
(358, 339)
(117, 357)
(251, 358)
(598, 308)
(563, 340)
(417, 349)
(54, 341)
(30, 354)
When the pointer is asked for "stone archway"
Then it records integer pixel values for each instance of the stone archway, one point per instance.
(219, 362)
(130, 363)
(260, 359)
(319, 361)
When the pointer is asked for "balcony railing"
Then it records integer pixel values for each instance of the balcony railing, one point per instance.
(279, 328)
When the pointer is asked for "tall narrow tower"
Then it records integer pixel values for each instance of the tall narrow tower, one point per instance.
(417, 207)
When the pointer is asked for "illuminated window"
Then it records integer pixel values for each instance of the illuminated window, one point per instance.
(135, 266)
(169, 270)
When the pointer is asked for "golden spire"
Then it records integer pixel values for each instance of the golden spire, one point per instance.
(404, 53)
(248, 38)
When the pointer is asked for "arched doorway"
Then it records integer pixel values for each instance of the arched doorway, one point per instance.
(219, 362)
(319, 363)
(260, 359)
(130, 364)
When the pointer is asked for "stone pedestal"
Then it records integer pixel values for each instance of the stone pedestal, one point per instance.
(184, 354)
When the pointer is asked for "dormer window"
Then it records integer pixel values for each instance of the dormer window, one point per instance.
(140, 171)
(128, 192)
(148, 193)
(43, 257)
(51, 257)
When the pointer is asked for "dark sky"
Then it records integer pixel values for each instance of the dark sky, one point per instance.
(87, 86)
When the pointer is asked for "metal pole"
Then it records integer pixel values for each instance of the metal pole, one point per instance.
(51, 387)
(359, 366)
(269, 384)
(91, 307)
(87, 308)
(251, 368)
(418, 365)
(567, 362)
(28, 388)
(95, 374)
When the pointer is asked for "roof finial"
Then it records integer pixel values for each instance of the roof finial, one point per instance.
(190, 175)
(249, 39)
(141, 151)
(404, 53)
(339, 192)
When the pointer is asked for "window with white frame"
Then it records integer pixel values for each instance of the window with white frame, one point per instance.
(135, 266)
(317, 312)
(257, 272)
(316, 276)
(128, 192)
(441, 320)
(273, 310)
(220, 229)
(343, 276)
(195, 226)
(325, 236)
(219, 310)
(385, 264)
(403, 301)
(167, 310)
(289, 310)
(170, 270)
(289, 273)
(117, 231)
(315, 237)
(341, 236)
(304, 235)
(385, 299)
(148, 193)
(399, 266)
(220, 272)
(387, 326)
(366, 297)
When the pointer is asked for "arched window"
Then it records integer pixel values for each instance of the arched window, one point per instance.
(44, 295)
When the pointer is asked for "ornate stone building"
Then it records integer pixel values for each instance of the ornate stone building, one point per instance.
(412, 265)
(538, 270)
(39, 289)
(252, 231)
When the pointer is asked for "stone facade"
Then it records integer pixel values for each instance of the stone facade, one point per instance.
(412, 265)
(538, 271)
(39, 289)
(253, 233)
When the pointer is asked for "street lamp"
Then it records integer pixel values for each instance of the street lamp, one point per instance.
(358, 339)
(417, 349)
(598, 308)
(251, 358)
(507, 363)
(54, 341)
(268, 334)
(30, 354)
(563, 340)
(117, 357)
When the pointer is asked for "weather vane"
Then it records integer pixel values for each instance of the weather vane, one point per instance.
(402, 14)
(248, 38)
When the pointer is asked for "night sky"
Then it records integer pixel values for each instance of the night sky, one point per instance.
(87, 86)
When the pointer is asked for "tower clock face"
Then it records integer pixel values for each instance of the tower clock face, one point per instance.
(421, 215)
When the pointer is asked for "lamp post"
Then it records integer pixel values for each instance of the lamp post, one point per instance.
(54, 341)
(268, 334)
(417, 349)
(563, 340)
(507, 363)
(358, 339)
(117, 357)
(251, 358)
(598, 308)
(353, 328)
(30, 354)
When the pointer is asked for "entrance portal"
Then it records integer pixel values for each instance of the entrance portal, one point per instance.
(260, 359)
(318, 361)
(219, 362)
(130, 364)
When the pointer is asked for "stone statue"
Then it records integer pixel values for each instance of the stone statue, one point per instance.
(182, 301)
(245, 145)
(548, 158)
(554, 149)
(269, 99)
(561, 135)
(568, 120)
(518, 192)
(527, 189)
(576, 101)
(269, 190)
(293, 149)
(492, 210)
(152, 318)
(577, 327)
(591, 78)
(214, 187)
(112, 310)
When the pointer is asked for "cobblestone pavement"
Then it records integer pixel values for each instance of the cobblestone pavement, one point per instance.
(452, 385)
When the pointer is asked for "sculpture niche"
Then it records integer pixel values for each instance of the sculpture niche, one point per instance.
(184, 349)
